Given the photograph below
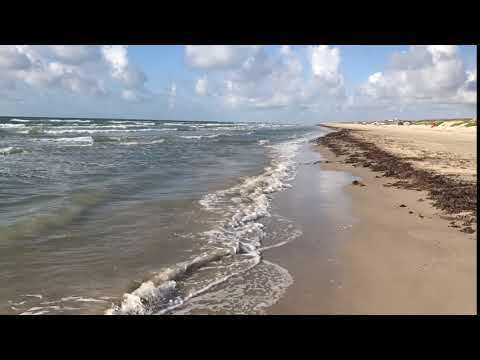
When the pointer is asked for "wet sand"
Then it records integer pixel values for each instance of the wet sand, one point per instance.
(317, 205)
(372, 255)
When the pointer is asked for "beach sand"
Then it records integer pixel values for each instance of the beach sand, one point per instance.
(384, 259)
(444, 150)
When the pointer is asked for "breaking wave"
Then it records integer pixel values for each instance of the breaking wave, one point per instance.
(10, 151)
(232, 248)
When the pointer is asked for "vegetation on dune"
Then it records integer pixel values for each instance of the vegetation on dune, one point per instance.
(448, 122)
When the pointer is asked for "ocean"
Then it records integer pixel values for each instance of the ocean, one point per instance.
(112, 216)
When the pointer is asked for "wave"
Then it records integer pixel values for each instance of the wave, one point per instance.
(196, 137)
(127, 122)
(34, 225)
(161, 293)
(117, 126)
(19, 120)
(218, 124)
(10, 151)
(106, 139)
(85, 140)
(175, 124)
(38, 304)
(68, 120)
(12, 126)
(75, 139)
(243, 294)
(129, 143)
(93, 131)
(235, 242)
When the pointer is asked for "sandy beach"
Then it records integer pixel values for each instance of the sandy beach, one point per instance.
(445, 150)
(400, 253)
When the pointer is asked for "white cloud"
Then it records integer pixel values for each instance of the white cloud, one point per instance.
(218, 56)
(79, 69)
(75, 54)
(432, 74)
(325, 61)
(117, 57)
(12, 58)
(280, 80)
(201, 86)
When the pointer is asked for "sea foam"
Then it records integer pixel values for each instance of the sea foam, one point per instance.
(237, 239)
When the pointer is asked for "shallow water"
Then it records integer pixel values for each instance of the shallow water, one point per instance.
(140, 216)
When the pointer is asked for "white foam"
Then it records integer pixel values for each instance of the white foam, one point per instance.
(69, 121)
(6, 151)
(134, 303)
(35, 312)
(249, 202)
(73, 141)
(244, 295)
(20, 120)
(34, 295)
(241, 233)
(40, 310)
(192, 137)
(12, 126)
(81, 139)
(82, 299)
(176, 124)
(129, 143)
(200, 136)
(93, 131)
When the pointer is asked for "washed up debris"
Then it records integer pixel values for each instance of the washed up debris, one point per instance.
(359, 183)
(321, 162)
(468, 230)
(410, 212)
(403, 205)
(421, 216)
(447, 193)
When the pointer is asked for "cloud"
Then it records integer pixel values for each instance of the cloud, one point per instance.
(117, 57)
(325, 61)
(79, 69)
(433, 74)
(264, 80)
(75, 54)
(12, 58)
(218, 56)
(201, 86)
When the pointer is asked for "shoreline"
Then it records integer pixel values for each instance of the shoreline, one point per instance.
(392, 260)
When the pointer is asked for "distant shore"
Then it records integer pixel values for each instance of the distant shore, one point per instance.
(413, 250)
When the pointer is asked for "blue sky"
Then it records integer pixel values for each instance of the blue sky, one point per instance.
(303, 84)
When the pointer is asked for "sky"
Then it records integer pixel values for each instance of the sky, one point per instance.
(304, 84)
